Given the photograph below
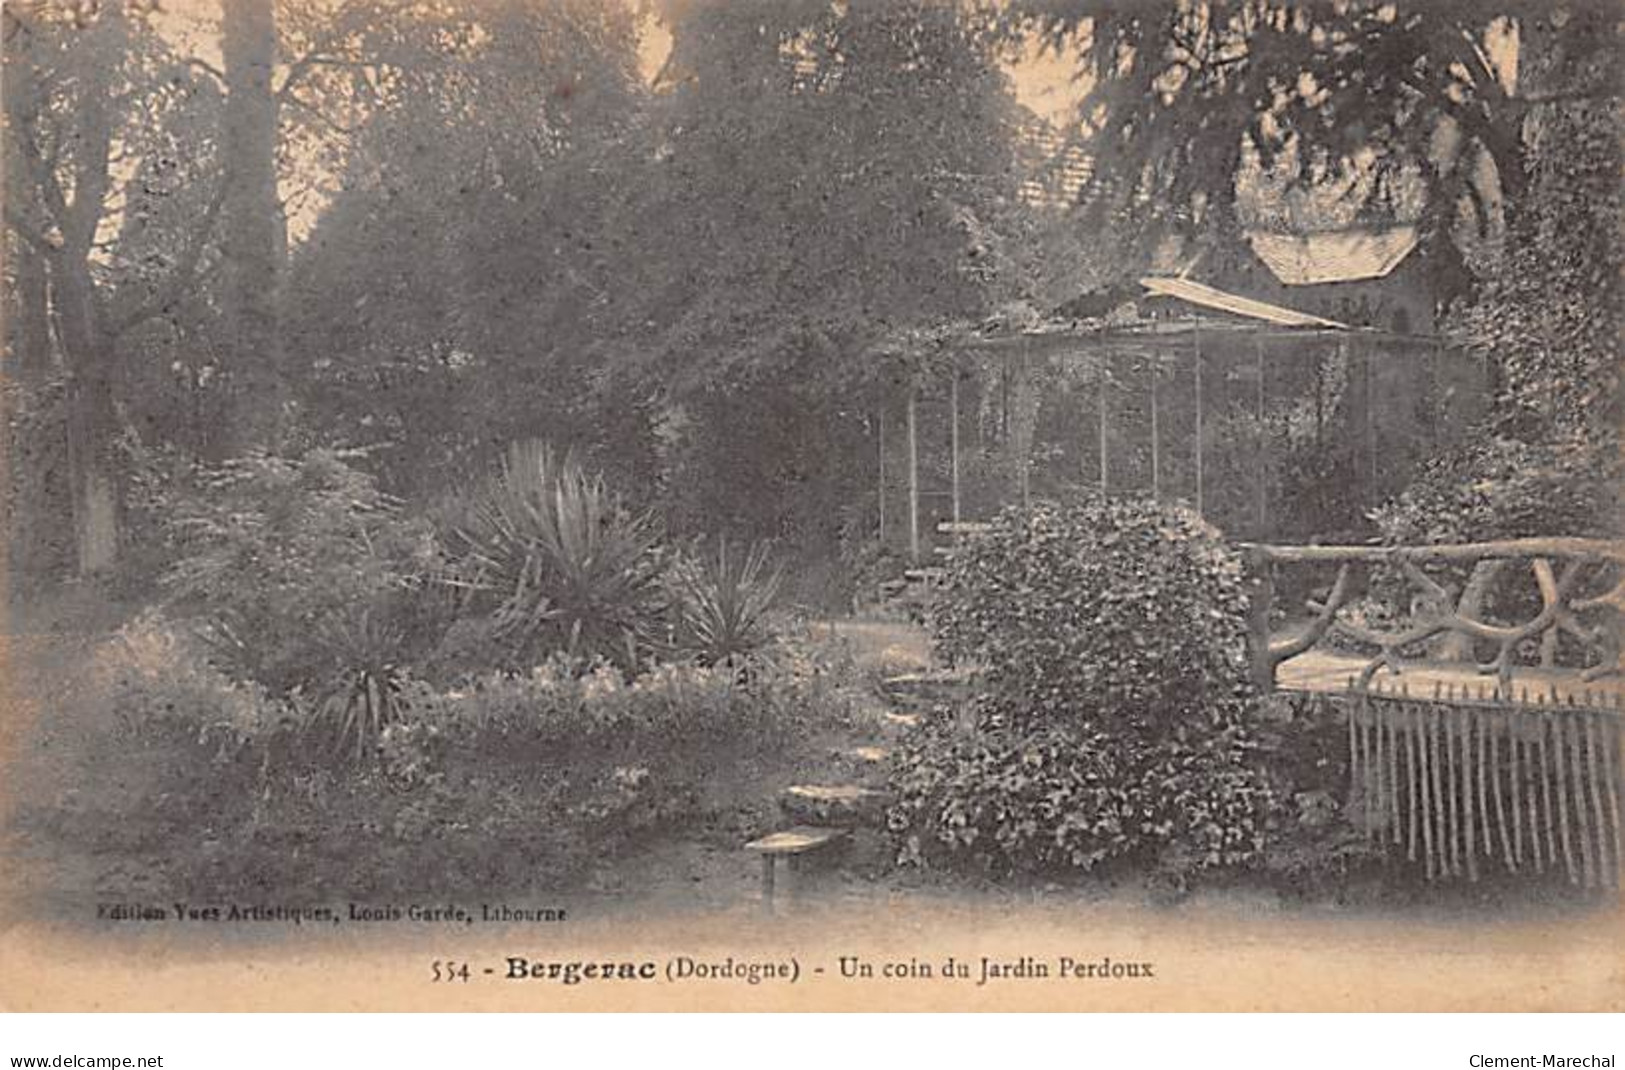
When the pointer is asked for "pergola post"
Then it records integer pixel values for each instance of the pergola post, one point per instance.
(1196, 339)
(1436, 366)
(880, 468)
(1027, 438)
(1156, 446)
(1370, 417)
(1100, 403)
(953, 435)
(1259, 450)
(913, 472)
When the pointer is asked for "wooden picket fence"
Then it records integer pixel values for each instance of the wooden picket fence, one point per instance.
(1469, 784)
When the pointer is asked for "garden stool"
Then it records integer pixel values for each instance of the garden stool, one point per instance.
(790, 845)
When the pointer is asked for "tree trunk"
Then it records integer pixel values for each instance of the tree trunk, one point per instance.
(30, 333)
(41, 528)
(253, 234)
(87, 348)
(92, 419)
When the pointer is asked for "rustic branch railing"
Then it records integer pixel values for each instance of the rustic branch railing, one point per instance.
(1561, 568)
(1468, 787)
(1481, 787)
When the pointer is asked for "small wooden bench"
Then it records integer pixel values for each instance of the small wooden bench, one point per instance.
(789, 844)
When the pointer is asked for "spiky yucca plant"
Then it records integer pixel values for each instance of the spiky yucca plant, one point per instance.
(724, 599)
(559, 562)
(348, 714)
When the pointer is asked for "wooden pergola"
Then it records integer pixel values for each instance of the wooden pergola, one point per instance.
(1218, 319)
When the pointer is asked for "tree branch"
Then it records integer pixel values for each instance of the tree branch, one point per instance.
(1570, 95)
(316, 113)
(304, 65)
(319, 54)
(1325, 615)
(207, 67)
(181, 277)
(28, 232)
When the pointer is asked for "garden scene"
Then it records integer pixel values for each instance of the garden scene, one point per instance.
(723, 457)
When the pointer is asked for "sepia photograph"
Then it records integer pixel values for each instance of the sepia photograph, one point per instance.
(789, 505)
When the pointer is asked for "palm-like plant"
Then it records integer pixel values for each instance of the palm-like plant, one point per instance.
(559, 561)
(350, 712)
(725, 598)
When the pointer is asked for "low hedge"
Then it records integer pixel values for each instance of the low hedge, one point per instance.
(512, 782)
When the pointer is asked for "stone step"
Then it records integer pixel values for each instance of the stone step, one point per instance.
(838, 805)
(864, 755)
(926, 689)
(867, 764)
(894, 719)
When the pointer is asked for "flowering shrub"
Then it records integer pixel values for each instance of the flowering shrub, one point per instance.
(154, 679)
(666, 710)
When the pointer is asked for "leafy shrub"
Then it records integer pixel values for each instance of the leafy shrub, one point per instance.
(1315, 505)
(1101, 611)
(1314, 849)
(1111, 637)
(280, 556)
(867, 564)
(723, 600)
(1048, 798)
(1498, 487)
(556, 562)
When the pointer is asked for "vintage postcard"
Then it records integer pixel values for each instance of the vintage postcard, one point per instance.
(811, 505)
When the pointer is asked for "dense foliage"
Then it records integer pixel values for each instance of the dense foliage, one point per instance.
(1414, 109)
(555, 561)
(509, 783)
(1498, 487)
(1115, 720)
(293, 567)
(438, 229)
(1114, 611)
(1054, 798)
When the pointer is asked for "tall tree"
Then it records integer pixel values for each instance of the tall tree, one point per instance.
(822, 177)
(1369, 89)
(85, 87)
(448, 296)
(253, 232)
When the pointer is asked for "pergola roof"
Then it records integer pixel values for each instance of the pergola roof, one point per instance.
(1217, 300)
(1226, 313)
